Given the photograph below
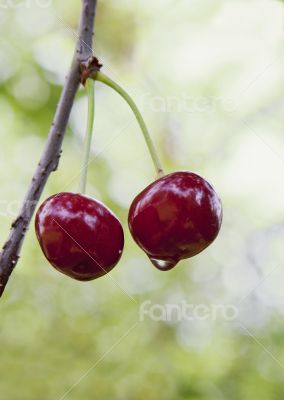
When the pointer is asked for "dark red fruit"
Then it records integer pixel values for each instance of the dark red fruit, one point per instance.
(79, 235)
(174, 218)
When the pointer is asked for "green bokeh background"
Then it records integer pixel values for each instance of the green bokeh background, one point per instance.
(209, 78)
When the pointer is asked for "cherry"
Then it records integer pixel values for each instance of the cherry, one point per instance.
(174, 218)
(79, 236)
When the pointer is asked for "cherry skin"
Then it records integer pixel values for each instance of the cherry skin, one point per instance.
(79, 236)
(174, 218)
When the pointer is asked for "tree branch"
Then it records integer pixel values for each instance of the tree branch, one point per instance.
(51, 153)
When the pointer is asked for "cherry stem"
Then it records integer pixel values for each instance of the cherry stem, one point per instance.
(90, 87)
(99, 76)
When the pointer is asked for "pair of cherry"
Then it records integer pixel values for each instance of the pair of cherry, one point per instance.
(174, 218)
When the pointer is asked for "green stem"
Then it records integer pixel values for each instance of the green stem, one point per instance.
(109, 82)
(90, 86)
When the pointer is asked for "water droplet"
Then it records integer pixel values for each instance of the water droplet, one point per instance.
(163, 265)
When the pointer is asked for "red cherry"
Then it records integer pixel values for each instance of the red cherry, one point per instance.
(79, 236)
(174, 218)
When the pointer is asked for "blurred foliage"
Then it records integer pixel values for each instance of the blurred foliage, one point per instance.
(209, 79)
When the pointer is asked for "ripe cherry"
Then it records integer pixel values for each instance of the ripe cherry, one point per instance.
(79, 236)
(174, 218)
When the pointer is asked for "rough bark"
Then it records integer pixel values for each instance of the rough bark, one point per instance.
(51, 154)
